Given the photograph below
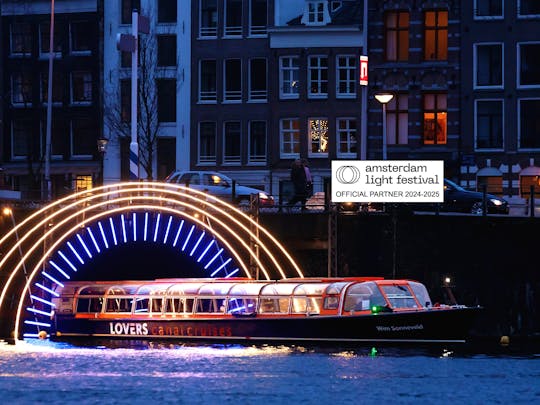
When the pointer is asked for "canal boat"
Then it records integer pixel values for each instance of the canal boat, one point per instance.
(300, 310)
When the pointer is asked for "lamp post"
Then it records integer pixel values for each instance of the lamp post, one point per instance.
(102, 148)
(384, 98)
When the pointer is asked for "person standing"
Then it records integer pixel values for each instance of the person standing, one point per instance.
(309, 179)
(299, 180)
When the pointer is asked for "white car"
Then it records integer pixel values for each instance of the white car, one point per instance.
(219, 185)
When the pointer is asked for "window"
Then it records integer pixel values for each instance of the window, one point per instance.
(127, 8)
(318, 76)
(529, 123)
(231, 142)
(166, 11)
(489, 65)
(58, 137)
(289, 129)
(44, 38)
(207, 81)
(257, 142)
(529, 64)
(288, 77)
(434, 119)
(233, 18)
(318, 136)
(233, 80)
(81, 34)
(21, 39)
(166, 50)
(397, 120)
(346, 76)
(489, 124)
(207, 143)
(397, 36)
(258, 88)
(435, 35)
(166, 93)
(83, 138)
(21, 138)
(57, 87)
(346, 137)
(208, 18)
(529, 8)
(258, 15)
(315, 13)
(81, 87)
(21, 88)
(125, 100)
(488, 8)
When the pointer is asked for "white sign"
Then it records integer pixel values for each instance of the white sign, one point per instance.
(363, 70)
(387, 181)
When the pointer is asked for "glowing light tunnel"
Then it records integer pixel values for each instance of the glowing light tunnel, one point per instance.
(52, 244)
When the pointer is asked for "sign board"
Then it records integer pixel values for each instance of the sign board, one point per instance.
(363, 70)
(125, 42)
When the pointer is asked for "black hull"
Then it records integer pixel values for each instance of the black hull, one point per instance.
(443, 326)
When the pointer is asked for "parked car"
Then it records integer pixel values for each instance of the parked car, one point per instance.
(219, 185)
(458, 199)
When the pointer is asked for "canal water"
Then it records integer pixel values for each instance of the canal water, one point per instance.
(42, 372)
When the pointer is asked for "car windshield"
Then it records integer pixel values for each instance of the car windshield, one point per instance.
(450, 185)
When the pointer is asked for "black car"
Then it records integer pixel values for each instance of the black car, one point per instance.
(458, 199)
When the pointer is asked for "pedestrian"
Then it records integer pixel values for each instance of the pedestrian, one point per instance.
(299, 180)
(309, 179)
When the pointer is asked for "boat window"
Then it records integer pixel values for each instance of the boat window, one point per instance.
(278, 289)
(117, 304)
(247, 289)
(187, 289)
(179, 305)
(215, 289)
(331, 302)
(89, 304)
(210, 305)
(363, 296)
(93, 290)
(271, 304)
(310, 289)
(399, 296)
(310, 305)
(141, 305)
(241, 305)
(335, 288)
(421, 293)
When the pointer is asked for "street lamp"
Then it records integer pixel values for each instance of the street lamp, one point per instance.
(384, 98)
(102, 148)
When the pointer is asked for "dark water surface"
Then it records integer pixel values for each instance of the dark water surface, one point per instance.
(54, 373)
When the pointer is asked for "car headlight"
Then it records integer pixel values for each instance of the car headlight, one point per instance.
(496, 201)
(264, 196)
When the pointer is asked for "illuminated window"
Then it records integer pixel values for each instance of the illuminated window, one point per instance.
(436, 35)
(83, 183)
(397, 120)
(489, 124)
(232, 142)
(289, 137)
(435, 119)
(489, 65)
(207, 143)
(397, 36)
(318, 76)
(288, 77)
(346, 137)
(346, 76)
(318, 136)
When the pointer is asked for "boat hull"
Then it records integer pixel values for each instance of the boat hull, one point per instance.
(430, 326)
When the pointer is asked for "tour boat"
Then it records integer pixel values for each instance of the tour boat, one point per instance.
(300, 310)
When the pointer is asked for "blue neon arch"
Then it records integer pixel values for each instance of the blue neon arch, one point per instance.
(117, 230)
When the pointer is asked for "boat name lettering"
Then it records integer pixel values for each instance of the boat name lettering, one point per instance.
(128, 328)
(191, 331)
(394, 328)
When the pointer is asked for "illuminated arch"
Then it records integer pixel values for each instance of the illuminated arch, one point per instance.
(72, 220)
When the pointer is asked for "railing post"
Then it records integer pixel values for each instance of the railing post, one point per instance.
(531, 202)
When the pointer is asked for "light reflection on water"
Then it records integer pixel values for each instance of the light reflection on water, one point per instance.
(163, 373)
